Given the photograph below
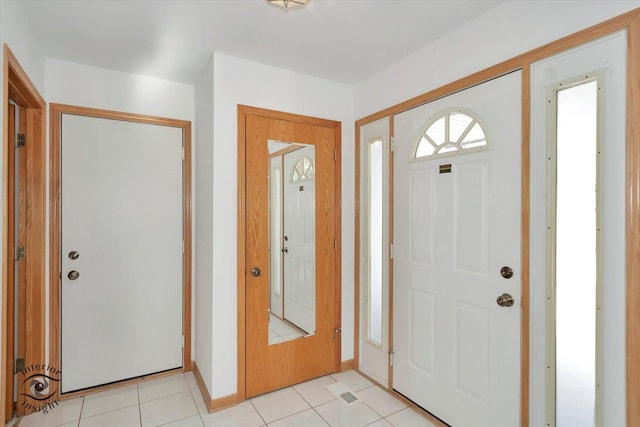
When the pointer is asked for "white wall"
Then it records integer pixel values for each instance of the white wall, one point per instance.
(77, 84)
(203, 212)
(238, 81)
(512, 28)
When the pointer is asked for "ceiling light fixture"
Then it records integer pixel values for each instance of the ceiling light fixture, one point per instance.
(288, 4)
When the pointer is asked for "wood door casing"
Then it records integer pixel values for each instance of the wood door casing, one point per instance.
(271, 367)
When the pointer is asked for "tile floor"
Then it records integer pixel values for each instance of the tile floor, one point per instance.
(175, 401)
(281, 331)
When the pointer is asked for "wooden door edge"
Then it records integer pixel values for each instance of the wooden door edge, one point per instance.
(17, 84)
(242, 112)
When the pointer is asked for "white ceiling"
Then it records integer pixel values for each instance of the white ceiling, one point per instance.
(340, 40)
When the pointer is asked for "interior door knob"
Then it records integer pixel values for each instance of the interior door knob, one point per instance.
(506, 272)
(256, 272)
(73, 275)
(73, 255)
(505, 300)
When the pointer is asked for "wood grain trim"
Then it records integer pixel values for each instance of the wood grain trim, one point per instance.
(187, 177)
(18, 86)
(5, 232)
(56, 110)
(7, 354)
(204, 392)
(337, 284)
(633, 223)
(357, 286)
(391, 240)
(213, 405)
(347, 365)
(291, 117)
(54, 236)
(27, 94)
(525, 242)
(242, 112)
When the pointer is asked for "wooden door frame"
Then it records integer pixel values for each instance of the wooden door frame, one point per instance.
(630, 22)
(17, 86)
(243, 112)
(56, 110)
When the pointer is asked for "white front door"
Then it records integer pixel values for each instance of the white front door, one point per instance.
(122, 236)
(456, 225)
(299, 236)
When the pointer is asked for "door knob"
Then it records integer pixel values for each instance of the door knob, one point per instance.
(74, 255)
(256, 272)
(73, 275)
(505, 300)
(506, 272)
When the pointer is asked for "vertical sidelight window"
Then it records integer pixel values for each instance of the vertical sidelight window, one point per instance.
(375, 190)
(574, 235)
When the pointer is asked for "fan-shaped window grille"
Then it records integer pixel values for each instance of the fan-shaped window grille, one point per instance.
(451, 132)
(303, 170)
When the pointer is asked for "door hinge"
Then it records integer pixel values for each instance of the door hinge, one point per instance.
(183, 152)
(336, 332)
(183, 341)
(391, 254)
(18, 365)
(20, 140)
(393, 143)
(391, 353)
(18, 253)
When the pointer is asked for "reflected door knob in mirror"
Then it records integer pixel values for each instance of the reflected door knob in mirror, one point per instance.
(285, 250)
(256, 272)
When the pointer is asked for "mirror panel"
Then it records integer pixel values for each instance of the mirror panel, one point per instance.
(292, 257)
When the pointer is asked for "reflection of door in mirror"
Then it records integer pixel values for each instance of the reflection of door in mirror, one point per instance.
(299, 235)
(292, 241)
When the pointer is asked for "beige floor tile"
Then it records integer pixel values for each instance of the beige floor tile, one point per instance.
(279, 404)
(380, 401)
(308, 418)
(352, 380)
(162, 387)
(194, 421)
(126, 417)
(66, 412)
(315, 391)
(408, 418)
(339, 414)
(242, 415)
(110, 400)
(168, 409)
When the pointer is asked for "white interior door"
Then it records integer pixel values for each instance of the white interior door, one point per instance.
(275, 212)
(299, 235)
(457, 352)
(122, 214)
